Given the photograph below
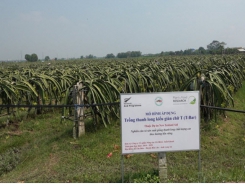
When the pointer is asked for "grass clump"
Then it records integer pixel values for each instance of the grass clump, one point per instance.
(148, 179)
(9, 160)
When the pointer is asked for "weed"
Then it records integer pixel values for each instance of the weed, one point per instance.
(148, 179)
(9, 160)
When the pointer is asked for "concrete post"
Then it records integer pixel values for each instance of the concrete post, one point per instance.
(78, 98)
(162, 161)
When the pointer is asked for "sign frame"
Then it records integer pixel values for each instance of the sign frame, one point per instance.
(166, 106)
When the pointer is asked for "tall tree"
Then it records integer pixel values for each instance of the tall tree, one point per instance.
(28, 57)
(31, 58)
(110, 56)
(201, 50)
(216, 47)
(34, 57)
(47, 58)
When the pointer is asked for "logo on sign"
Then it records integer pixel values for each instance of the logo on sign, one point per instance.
(130, 103)
(158, 101)
(126, 99)
(192, 100)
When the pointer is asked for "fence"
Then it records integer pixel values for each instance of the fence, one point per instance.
(79, 126)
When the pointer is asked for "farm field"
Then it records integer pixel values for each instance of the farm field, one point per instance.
(103, 80)
(38, 147)
(41, 149)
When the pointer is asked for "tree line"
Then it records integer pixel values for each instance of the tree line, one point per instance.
(215, 47)
(119, 55)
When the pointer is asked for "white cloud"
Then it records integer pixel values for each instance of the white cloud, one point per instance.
(232, 28)
(63, 20)
(148, 13)
(33, 16)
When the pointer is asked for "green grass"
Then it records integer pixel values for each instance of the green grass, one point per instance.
(48, 153)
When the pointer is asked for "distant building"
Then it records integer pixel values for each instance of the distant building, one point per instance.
(237, 49)
(241, 50)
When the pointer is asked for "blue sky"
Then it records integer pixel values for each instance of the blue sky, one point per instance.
(74, 28)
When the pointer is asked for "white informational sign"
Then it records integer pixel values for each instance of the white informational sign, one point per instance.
(160, 122)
